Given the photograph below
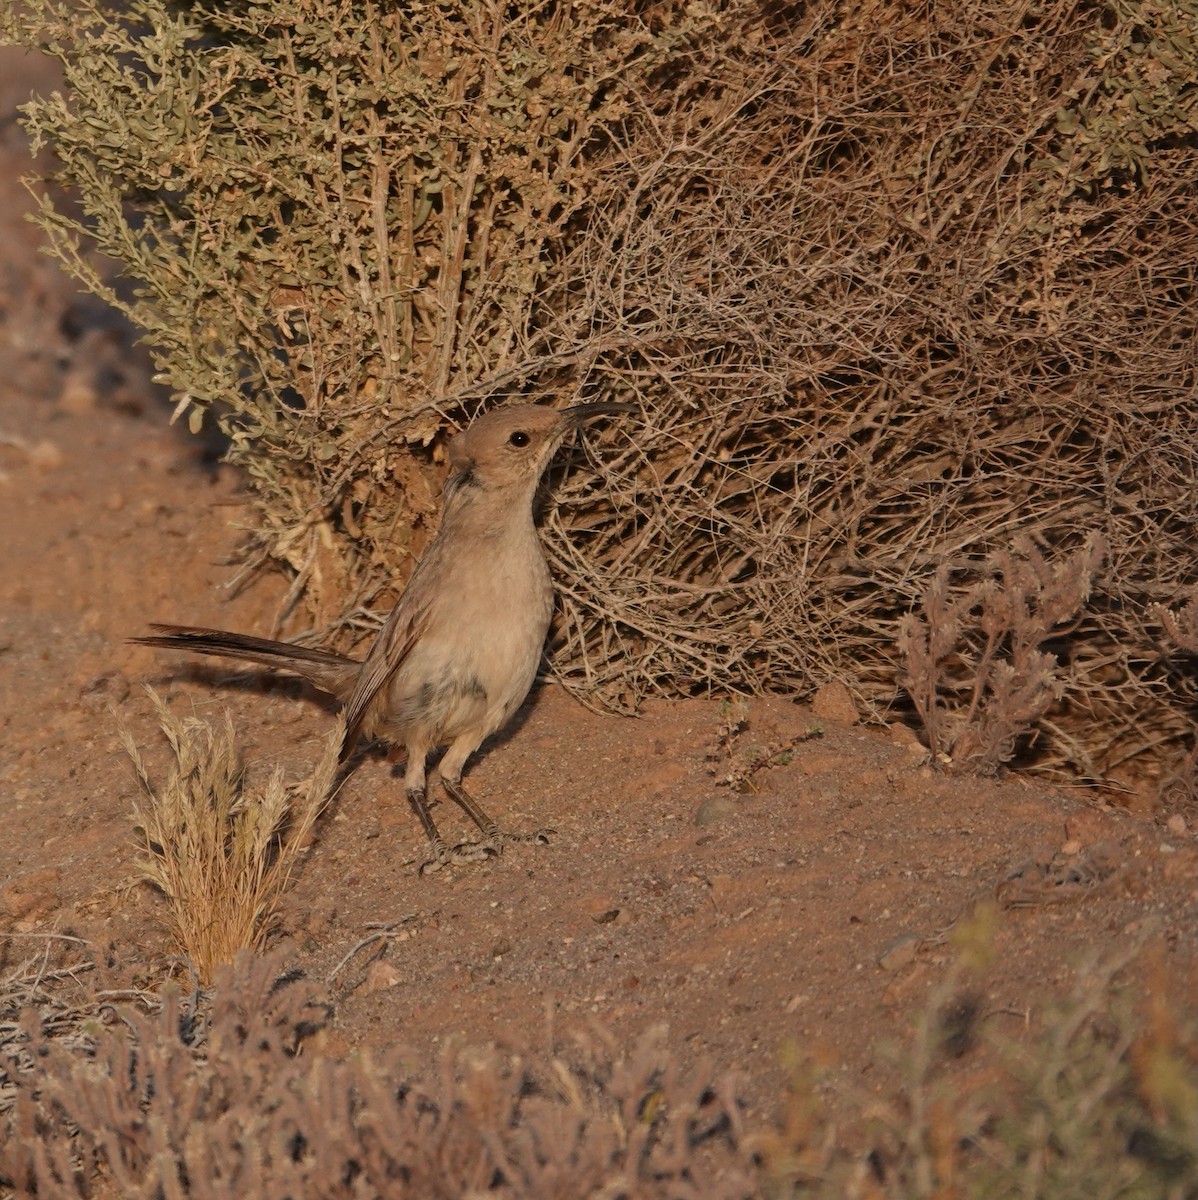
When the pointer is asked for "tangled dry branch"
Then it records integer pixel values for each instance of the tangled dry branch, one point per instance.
(879, 343)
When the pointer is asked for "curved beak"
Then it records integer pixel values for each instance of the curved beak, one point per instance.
(579, 413)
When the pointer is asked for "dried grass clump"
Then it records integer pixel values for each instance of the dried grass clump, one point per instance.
(897, 290)
(222, 854)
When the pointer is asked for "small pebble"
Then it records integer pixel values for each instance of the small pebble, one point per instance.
(899, 953)
(46, 456)
(78, 396)
(715, 809)
(379, 977)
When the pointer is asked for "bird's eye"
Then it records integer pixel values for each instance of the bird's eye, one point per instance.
(519, 438)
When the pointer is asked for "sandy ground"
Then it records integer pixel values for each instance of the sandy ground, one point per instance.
(815, 911)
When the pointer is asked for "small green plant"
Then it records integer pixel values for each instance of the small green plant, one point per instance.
(221, 853)
(734, 762)
(338, 217)
(1137, 95)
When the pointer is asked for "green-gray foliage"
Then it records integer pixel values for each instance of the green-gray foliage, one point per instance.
(337, 215)
(1140, 91)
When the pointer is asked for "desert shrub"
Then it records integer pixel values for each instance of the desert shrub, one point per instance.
(337, 217)
(209, 1098)
(1098, 1102)
(896, 311)
(897, 290)
(1000, 686)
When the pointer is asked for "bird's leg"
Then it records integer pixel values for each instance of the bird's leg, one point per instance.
(493, 838)
(491, 841)
(440, 852)
(416, 788)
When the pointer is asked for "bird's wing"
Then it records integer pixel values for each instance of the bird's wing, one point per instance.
(393, 644)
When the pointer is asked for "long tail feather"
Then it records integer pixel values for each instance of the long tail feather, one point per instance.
(332, 673)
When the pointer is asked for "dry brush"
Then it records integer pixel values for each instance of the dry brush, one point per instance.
(906, 297)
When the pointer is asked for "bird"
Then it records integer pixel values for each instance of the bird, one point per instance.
(459, 652)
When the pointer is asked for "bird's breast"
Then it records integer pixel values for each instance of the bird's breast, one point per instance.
(480, 643)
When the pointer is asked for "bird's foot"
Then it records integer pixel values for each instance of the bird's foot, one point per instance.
(486, 847)
(492, 844)
(538, 837)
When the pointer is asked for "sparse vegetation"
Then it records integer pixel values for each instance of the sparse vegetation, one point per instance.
(974, 664)
(906, 298)
(735, 757)
(209, 1096)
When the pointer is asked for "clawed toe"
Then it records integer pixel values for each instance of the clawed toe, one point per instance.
(538, 837)
(491, 847)
(435, 864)
(478, 851)
(469, 852)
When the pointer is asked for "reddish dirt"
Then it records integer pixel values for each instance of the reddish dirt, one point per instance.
(814, 911)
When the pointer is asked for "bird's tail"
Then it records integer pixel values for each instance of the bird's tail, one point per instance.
(332, 673)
